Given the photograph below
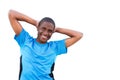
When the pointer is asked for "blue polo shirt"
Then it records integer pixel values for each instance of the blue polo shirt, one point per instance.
(38, 58)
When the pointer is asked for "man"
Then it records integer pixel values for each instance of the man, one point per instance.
(38, 55)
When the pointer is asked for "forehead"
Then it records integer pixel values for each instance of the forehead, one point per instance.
(47, 25)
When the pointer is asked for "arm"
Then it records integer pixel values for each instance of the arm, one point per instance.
(74, 35)
(15, 17)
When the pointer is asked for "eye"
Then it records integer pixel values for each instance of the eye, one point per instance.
(50, 31)
(43, 28)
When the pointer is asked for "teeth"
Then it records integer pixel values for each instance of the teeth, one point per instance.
(44, 36)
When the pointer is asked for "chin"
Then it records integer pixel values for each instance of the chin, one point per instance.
(44, 41)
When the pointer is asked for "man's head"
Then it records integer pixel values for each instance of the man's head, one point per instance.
(45, 29)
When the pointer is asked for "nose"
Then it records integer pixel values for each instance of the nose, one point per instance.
(45, 33)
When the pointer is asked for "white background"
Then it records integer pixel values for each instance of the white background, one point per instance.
(95, 57)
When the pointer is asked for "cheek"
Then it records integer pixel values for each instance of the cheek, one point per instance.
(50, 34)
(40, 31)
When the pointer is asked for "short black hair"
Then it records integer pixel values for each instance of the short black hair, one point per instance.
(46, 19)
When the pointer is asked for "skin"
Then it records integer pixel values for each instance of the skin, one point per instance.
(45, 30)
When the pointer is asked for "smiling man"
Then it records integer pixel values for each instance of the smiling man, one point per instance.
(38, 55)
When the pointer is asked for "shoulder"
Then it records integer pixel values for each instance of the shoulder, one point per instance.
(23, 33)
(58, 43)
(59, 46)
(23, 37)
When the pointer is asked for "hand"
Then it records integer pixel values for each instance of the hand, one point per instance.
(37, 23)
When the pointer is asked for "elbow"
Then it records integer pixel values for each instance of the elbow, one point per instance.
(79, 36)
(11, 11)
(10, 14)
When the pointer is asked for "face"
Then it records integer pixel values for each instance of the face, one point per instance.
(45, 31)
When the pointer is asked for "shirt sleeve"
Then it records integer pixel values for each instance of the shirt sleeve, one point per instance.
(22, 37)
(60, 47)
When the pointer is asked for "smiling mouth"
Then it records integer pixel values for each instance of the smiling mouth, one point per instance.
(44, 37)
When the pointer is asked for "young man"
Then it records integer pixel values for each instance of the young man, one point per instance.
(38, 55)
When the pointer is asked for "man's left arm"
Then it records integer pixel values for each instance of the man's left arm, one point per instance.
(74, 36)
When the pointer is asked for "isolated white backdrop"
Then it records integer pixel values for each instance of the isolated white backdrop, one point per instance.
(95, 57)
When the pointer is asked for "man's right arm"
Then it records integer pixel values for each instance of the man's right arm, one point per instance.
(15, 17)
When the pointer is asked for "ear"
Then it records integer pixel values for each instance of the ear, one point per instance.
(54, 30)
(38, 28)
(37, 23)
